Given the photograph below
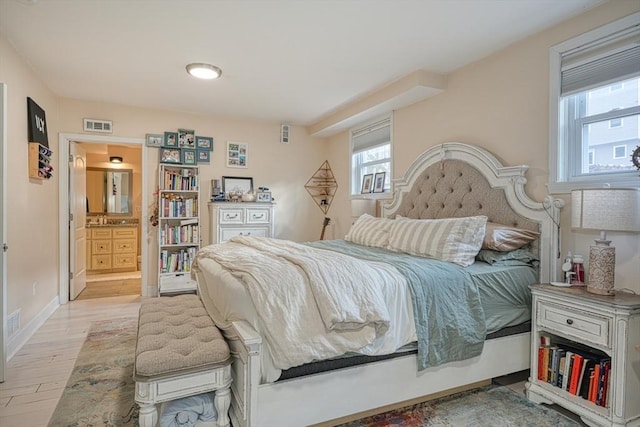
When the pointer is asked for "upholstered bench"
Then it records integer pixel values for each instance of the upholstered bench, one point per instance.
(179, 353)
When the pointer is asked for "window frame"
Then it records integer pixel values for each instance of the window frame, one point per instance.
(614, 152)
(560, 163)
(355, 187)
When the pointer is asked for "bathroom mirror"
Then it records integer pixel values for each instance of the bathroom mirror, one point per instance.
(109, 191)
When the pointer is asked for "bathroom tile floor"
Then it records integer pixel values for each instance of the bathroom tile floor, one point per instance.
(110, 288)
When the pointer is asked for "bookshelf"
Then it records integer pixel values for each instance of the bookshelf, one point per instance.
(583, 351)
(178, 227)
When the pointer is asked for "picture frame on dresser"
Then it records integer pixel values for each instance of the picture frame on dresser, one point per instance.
(263, 196)
(237, 183)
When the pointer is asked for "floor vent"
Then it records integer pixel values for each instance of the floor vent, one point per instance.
(93, 125)
(13, 323)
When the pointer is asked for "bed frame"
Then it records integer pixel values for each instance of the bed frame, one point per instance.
(479, 185)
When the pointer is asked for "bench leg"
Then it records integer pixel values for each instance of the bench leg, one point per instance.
(148, 415)
(222, 401)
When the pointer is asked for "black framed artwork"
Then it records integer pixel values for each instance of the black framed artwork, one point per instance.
(37, 123)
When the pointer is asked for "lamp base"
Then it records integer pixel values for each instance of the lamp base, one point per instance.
(602, 264)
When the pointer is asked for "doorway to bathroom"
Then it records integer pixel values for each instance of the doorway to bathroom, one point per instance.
(103, 240)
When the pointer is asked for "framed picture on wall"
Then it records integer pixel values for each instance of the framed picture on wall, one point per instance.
(170, 139)
(378, 182)
(188, 156)
(170, 155)
(237, 154)
(204, 155)
(204, 142)
(153, 140)
(186, 138)
(367, 180)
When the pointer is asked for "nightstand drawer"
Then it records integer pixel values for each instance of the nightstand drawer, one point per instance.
(574, 323)
(228, 233)
(232, 216)
(258, 216)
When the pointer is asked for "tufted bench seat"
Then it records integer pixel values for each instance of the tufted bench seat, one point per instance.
(179, 353)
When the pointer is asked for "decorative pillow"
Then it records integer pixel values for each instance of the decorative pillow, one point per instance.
(503, 238)
(456, 240)
(370, 231)
(517, 257)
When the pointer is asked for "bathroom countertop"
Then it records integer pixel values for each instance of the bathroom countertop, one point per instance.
(128, 224)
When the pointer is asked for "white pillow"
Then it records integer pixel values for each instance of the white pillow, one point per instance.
(370, 231)
(456, 240)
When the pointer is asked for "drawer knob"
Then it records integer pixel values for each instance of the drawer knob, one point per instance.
(569, 321)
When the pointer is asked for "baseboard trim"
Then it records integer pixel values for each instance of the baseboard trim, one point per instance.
(20, 339)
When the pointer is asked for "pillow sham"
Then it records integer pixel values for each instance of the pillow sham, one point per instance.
(370, 231)
(455, 240)
(516, 257)
(499, 237)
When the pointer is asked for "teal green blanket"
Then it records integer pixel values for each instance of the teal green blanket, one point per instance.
(450, 323)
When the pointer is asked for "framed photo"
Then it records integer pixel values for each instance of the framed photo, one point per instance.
(237, 153)
(186, 138)
(204, 142)
(170, 139)
(170, 155)
(378, 182)
(188, 156)
(367, 182)
(204, 156)
(237, 183)
(153, 140)
(263, 196)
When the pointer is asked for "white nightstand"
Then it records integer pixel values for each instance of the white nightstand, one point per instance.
(608, 326)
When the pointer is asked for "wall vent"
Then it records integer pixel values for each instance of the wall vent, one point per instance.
(13, 323)
(94, 125)
(284, 133)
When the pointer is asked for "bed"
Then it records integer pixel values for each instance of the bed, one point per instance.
(451, 182)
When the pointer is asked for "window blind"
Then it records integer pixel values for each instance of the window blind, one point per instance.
(613, 58)
(375, 134)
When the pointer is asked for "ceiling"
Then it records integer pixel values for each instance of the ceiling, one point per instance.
(294, 61)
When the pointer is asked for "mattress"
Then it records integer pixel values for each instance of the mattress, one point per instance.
(504, 294)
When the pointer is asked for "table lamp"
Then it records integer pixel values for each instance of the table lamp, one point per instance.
(362, 206)
(604, 209)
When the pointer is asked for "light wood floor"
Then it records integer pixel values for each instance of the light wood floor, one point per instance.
(37, 374)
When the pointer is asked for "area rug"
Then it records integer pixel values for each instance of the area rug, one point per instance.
(493, 405)
(100, 390)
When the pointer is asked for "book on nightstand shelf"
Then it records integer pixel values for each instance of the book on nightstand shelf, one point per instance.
(579, 372)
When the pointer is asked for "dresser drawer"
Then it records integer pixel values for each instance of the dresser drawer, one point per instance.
(100, 262)
(227, 233)
(100, 247)
(574, 323)
(258, 216)
(124, 245)
(101, 233)
(124, 261)
(232, 216)
(124, 232)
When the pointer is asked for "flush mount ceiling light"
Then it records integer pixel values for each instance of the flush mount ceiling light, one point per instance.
(204, 71)
(115, 159)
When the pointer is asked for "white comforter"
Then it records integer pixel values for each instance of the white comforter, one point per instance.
(334, 303)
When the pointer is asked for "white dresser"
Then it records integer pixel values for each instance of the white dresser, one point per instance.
(228, 219)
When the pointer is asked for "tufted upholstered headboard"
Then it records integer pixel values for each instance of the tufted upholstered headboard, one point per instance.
(459, 180)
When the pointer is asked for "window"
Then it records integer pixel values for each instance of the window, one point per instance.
(615, 123)
(371, 153)
(595, 107)
(620, 152)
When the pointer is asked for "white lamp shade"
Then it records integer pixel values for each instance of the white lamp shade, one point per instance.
(610, 209)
